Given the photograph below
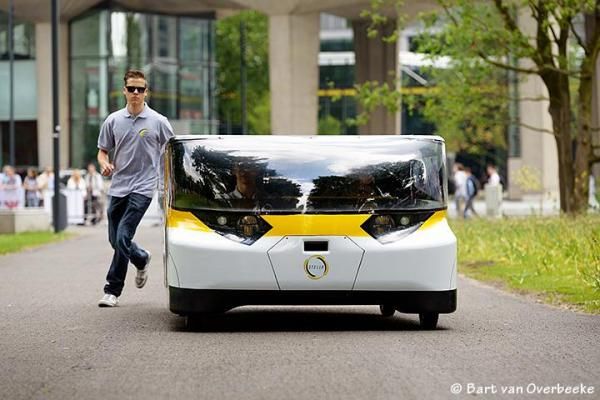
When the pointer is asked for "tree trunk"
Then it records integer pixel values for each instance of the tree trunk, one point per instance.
(565, 158)
(584, 151)
(560, 111)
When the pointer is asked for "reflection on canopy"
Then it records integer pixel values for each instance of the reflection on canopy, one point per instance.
(307, 175)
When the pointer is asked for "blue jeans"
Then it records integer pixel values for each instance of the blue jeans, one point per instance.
(124, 216)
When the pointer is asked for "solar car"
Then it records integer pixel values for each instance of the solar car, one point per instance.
(308, 220)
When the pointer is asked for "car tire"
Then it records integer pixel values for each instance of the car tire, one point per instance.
(428, 320)
(387, 310)
(195, 322)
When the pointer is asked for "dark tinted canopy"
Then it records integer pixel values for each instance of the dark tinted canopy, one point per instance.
(295, 174)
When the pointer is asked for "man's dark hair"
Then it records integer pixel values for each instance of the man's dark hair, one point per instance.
(134, 73)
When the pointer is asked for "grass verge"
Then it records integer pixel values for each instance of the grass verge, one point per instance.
(10, 243)
(555, 258)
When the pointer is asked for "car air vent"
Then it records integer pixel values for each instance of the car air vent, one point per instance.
(316, 245)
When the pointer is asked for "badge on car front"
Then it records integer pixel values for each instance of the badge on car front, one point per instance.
(316, 267)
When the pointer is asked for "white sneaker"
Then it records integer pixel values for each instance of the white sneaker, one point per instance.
(141, 275)
(109, 300)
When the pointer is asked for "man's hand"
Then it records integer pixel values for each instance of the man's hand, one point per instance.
(106, 168)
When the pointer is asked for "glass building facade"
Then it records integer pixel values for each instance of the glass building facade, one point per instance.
(337, 94)
(336, 76)
(25, 83)
(23, 39)
(175, 53)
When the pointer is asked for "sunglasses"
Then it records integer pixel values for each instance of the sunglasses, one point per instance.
(132, 89)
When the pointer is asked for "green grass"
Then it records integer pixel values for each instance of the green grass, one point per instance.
(556, 258)
(10, 243)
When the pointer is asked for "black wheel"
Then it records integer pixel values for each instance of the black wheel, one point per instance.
(428, 320)
(195, 322)
(387, 310)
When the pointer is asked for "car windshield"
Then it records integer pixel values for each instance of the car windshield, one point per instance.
(287, 174)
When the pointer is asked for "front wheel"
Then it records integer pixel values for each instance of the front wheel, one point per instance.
(199, 322)
(193, 322)
(428, 320)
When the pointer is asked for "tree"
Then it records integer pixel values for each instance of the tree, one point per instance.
(467, 101)
(329, 125)
(557, 52)
(257, 70)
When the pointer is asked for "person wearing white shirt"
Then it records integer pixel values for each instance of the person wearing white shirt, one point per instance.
(460, 187)
(76, 182)
(45, 180)
(11, 187)
(93, 197)
(493, 177)
(246, 194)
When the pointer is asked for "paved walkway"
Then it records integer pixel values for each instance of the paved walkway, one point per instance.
(57, 344)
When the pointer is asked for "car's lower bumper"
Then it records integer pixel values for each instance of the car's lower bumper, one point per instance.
(192, 301)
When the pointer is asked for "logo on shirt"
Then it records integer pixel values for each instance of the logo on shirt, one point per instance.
(142, 132)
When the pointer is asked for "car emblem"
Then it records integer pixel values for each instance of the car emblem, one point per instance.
(316, 267)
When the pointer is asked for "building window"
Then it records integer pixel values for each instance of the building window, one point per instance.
(23, 39)
(175, 53)
(25, 80)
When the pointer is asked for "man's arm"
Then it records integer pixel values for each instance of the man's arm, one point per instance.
(106, 168)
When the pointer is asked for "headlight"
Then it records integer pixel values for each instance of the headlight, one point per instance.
(239, 227)
(382, 224)
(387, 228)
(248, 225)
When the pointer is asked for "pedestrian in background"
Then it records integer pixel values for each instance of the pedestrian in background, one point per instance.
(12, 188)
(10, 179)
(493, 177)
(45, 182)
(472, 186)
(32, 192)
(93, 196)
(76, 197)
(460, 187)
(76, 182)
(137, 135)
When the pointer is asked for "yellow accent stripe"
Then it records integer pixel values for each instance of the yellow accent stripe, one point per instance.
(305, 224)
(299, 224)
(437, 217)
(185, 220)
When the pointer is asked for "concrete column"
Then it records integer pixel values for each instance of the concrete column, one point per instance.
(376, 61)
(294, 73)
(43, 48)
(538, 149)
(538, 146)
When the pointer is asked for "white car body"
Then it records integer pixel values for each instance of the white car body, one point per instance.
(304, 255)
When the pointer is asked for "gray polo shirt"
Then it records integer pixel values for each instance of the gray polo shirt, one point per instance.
(138, 144)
